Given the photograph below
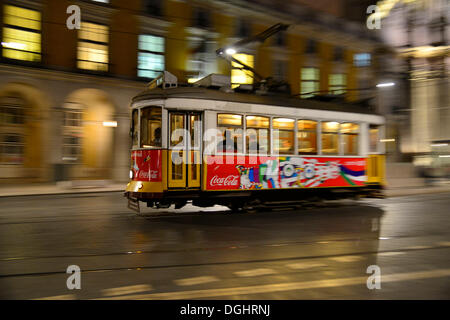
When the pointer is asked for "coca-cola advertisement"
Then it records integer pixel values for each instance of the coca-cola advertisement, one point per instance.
(146, 165)
(285, 172)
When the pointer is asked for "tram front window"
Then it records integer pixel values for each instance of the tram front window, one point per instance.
(151, 127)
(134, 128)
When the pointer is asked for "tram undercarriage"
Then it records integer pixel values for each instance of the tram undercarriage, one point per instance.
(251, 199)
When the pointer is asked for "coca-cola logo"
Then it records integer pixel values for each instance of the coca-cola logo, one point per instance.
(224, 181)
(153, 174)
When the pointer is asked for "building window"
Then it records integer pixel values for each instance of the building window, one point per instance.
(11, 148)
(307, 136)
(239, 75)
(12, 120)
(337, 83)
(280, 39)
(257, 134)
(311, 46)
(231, 128)
(201, 18)
(362, 59)
(309, 81)
(73, 132)
(21, 34)
(243, 29)
(279, 70)
(202, 58)
(153, 7)
(151, 133)
(349, 134)
(151, 56)
(338, 54)
(330, 137)
(93, 47)
(283, 135)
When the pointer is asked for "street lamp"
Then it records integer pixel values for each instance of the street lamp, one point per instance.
(230, 51)
(386, 84)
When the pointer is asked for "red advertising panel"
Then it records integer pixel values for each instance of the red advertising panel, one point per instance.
(283, 172)
(146, 165)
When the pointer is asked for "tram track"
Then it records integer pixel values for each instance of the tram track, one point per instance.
(218, 263)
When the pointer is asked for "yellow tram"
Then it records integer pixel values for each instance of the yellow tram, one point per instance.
(210, 144)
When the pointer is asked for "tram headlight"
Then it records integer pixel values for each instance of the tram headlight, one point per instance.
(131, 174)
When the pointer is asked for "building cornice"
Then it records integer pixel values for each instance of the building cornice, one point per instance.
(57, 75)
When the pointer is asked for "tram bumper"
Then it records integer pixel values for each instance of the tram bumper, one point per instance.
(143, 190)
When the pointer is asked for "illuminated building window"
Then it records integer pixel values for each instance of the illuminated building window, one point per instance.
(330, 137)
(12, 129)
(202, 58)
(307, 136)
(239, 75)
(337, 83)
(93, 47)
(309, 81)
(150, 56)
(349, 134)
(231, 128)
(362, 59)
(21, 34)
(283, 135)
(257, 134)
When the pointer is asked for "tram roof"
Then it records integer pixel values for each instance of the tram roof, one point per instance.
(277, 100)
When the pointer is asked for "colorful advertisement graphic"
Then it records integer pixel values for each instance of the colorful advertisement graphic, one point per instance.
(286, 172)
(146, 165)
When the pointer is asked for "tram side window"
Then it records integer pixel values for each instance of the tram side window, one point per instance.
(151, 127)
(374, 136)
(349, 133)
(134, 127)
(330, 137)
(283, 135)
(307, 136)
(230, 126)
(257, 134)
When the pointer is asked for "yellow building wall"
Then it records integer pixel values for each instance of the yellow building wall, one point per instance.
(223, 24)
(263, 58)
(59, 44)
(179, 13)
(124, 45)
(325, 57)
(296, 45)
(352, 76)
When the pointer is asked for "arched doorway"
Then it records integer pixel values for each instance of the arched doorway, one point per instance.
(88, 133)
(23, 112)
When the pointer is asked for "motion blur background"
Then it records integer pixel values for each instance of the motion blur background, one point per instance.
(65, 94)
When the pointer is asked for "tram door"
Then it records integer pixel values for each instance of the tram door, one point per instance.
(185, 142)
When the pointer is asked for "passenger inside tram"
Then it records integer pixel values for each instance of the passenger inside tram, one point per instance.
(157, 137)
(228, 144)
